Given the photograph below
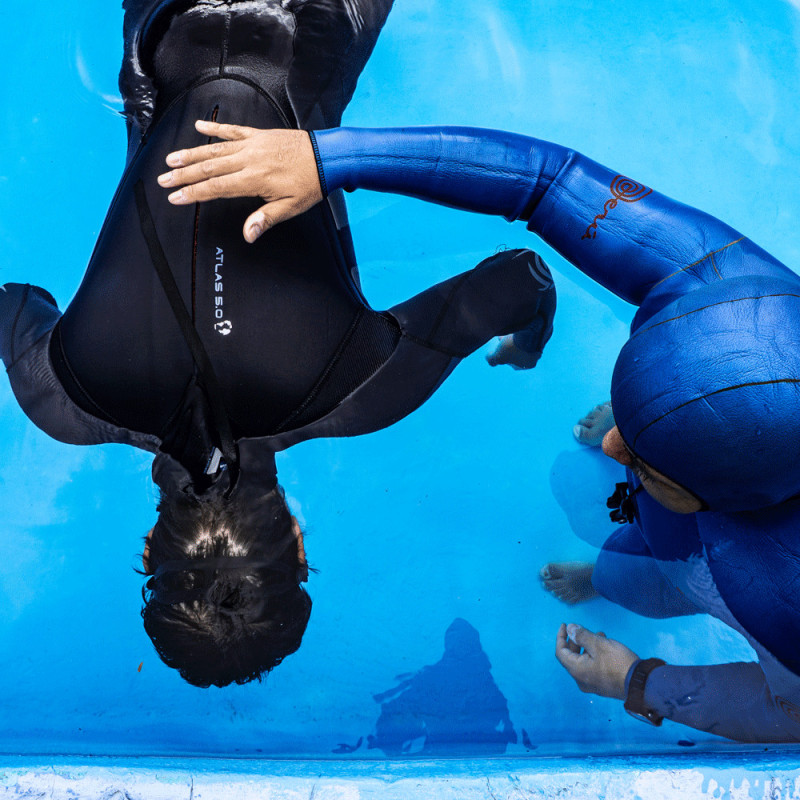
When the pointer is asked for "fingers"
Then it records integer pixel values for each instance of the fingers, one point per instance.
(211, 189)
(561, 643)
(223, 131)
(567, 652)
(184, 158)
(582, 637)
(210, 168)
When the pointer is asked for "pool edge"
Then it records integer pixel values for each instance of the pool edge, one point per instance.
(772, 776)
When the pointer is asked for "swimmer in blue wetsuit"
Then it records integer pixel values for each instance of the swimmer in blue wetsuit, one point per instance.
(705, 393)
(213, 354)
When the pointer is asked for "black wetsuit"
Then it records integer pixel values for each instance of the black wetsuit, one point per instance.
(297, 351)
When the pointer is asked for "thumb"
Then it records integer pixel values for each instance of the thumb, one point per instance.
(582, 637)
(266, 217)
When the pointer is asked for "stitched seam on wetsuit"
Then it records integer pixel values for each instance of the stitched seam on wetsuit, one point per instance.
(372, 346)
(341, 259)
(447, 305)
(230, 76)
(16, 321)
(223, 57)
(327, 215)
(438, 348)
(710, 305)
(317, 387)
(72, 380)
(334, 72)
(195, 244)
(714, 265)
(322, 182)
(695, 263)
(710, 394)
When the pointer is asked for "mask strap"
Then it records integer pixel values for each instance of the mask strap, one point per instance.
(622, 503)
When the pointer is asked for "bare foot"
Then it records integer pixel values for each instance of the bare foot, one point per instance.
(569, 581)
(591, 429)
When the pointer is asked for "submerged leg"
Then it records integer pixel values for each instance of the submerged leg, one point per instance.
(626, 573)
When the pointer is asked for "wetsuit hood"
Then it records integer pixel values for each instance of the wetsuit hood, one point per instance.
(707, 391)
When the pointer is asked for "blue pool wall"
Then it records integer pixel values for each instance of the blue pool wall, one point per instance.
(441, 522)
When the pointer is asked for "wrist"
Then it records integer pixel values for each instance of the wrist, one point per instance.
(629, 675)
(318, 158)
(340, 152)
(635, 683)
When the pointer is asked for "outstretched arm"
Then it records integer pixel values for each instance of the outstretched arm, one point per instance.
(621, 233)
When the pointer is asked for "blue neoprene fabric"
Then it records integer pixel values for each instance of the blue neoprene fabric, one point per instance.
(707, 390)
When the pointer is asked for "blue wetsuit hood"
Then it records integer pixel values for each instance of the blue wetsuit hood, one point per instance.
(706, 391)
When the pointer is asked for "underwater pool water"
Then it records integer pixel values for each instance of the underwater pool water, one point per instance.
(430, 635)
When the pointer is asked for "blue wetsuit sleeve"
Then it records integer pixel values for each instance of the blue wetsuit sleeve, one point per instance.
(26, 314)
(621, 233)
(731, 700)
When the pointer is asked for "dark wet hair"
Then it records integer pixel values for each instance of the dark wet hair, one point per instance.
(224, 603)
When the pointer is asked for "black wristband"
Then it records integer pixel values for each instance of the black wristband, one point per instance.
(634, 703)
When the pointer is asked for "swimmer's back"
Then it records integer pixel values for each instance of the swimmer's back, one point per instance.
(273, 316)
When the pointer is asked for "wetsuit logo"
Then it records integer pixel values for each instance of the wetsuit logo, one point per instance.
(790, 709)
(222, 326)
(541, 272)
(624, 189)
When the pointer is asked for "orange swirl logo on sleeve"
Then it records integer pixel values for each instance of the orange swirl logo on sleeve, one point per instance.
(790, 709)
(623, 189)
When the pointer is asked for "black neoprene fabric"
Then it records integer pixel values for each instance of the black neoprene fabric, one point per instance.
(255, 307)
(297, 351)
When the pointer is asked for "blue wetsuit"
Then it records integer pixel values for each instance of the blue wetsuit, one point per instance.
(706, 391)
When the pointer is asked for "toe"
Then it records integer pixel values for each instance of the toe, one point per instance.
(551, 572)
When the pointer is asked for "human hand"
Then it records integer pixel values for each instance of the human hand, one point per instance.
(276, 165)
(599, 665)
(507, 352)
